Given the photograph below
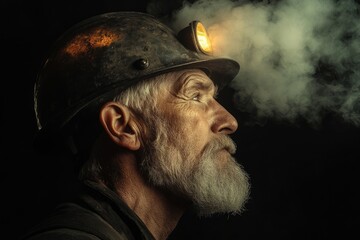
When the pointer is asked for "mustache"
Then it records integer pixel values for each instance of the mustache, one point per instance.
(220, 143)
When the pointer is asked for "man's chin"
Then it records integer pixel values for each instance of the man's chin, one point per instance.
(220, 190)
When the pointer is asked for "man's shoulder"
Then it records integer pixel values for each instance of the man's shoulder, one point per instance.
(62, 234)
(73, 221)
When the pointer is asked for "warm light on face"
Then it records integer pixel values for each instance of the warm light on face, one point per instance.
(202, 38)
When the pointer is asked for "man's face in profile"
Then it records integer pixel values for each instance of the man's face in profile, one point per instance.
(191, 155)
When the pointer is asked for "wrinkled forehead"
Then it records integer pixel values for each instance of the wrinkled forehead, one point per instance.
(194, 77)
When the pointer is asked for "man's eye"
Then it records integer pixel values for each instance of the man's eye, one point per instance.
(196, 97)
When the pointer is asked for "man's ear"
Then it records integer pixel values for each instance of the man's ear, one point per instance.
(119, 125)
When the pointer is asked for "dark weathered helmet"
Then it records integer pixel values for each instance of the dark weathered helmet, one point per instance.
(105, 54)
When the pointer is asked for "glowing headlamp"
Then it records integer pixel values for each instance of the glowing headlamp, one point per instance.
(196, 38)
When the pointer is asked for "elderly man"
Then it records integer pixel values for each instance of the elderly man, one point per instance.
(136, 105)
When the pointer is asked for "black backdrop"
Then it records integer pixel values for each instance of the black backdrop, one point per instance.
(304, 180)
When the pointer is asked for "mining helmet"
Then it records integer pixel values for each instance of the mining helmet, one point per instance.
(105, 54)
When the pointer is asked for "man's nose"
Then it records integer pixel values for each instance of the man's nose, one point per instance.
(224, 122)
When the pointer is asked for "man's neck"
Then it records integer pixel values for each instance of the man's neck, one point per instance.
(160, 211)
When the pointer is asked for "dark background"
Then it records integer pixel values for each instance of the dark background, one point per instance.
(304, 180)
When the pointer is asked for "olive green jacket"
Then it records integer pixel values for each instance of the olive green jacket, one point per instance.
(97, 213)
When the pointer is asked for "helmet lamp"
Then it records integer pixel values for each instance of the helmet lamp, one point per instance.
(195, 38)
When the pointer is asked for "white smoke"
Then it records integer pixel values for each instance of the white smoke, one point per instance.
(298, 58)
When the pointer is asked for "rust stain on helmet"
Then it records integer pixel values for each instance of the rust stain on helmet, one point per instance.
(84, 43)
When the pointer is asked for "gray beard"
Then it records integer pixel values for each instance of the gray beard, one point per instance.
(209, 186)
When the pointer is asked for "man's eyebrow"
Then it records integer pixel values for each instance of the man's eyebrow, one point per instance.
(195, 82)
